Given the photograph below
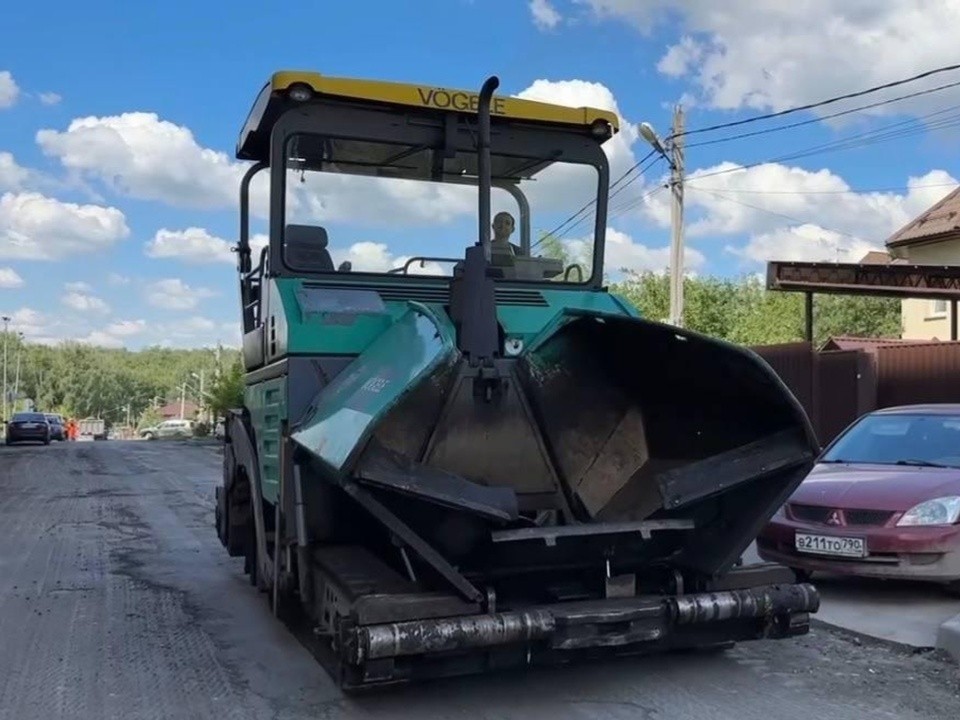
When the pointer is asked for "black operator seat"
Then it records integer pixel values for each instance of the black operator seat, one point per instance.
(305, 248)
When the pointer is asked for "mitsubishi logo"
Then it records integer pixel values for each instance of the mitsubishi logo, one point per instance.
(834, 518)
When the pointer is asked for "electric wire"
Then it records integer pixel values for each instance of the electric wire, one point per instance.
(822, 118)
(821, 103)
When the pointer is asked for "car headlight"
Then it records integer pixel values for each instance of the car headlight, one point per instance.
(939, 511)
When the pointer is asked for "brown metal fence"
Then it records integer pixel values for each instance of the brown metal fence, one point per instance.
(835, 387)
(793, 362)
(845, 387)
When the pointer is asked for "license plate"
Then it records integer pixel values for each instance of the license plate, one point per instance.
(29, 426)
(831, 545)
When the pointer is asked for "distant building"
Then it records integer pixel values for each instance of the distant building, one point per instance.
(171, 411)
(849, 342)
(932, 238)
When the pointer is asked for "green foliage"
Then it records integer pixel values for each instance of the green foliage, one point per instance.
(551, 246)
(83, 381)
(742, 310)
(227, 391)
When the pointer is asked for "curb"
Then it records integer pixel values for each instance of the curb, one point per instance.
(862, 638)
(948, 637)
(946, 649)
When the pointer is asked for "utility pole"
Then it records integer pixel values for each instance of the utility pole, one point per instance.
(676, 219)
(6, 324)
(203, 399)
(672, 151)
(183, 398)
(16, 382)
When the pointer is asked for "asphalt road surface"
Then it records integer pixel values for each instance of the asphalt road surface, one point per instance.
(117, 601)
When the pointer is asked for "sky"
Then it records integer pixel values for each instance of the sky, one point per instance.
(118, 124)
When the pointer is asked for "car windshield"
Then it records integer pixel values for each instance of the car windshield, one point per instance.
(28, 417)
(906, 439)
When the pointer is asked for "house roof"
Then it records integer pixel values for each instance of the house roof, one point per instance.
(850, 342)
(173, 409)
(876, 257)
(938, 223)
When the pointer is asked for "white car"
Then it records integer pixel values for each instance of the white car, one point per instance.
(169, 429)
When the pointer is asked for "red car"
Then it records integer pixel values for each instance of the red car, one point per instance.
(883, 500)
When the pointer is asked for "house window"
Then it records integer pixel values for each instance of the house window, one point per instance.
(938, 308)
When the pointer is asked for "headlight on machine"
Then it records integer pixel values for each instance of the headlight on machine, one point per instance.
(939, 511)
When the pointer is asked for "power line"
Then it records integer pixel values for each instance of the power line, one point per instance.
(565, 228)
(852, 191)
(884, 133)
(721, 196)
(821, 103)
(616, 212)
(631, 204)
(823, 118)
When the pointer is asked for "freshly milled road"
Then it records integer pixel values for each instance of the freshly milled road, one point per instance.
(117, 601)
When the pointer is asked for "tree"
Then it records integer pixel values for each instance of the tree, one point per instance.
(744, 311)
(227, 390)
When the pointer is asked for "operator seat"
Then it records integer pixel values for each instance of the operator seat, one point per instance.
(305, 248)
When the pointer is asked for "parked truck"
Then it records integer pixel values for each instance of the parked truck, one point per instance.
(454, 456)
(92, 428)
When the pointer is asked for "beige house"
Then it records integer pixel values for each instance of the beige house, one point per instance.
(933, 238)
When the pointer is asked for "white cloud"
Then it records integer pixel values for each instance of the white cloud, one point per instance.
(545, 15)
(12, 176)
(10, 279)
(50, 98)
(118, 279)
(808, 242)
(32, 323)
(85, 303)
(9, 91)
(622, 253)
(768, 197)
(79, 287)
(193, 332)
(771, 54)
(114, 335)
(370, 256)
(125, 328)
(99, 338)
(35, 227)
(580, 93)
(174, 294)
(145, 157)
(193, 245)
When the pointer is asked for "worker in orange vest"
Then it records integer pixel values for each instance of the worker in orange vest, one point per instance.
(71, 429)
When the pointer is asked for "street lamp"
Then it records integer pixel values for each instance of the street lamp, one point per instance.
(672, 151)
(650, 135)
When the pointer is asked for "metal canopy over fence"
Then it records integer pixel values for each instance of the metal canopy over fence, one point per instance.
(937, 282)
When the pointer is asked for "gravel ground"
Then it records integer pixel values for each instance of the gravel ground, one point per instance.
(117, 601)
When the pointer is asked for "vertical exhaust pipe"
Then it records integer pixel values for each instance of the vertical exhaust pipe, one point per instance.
(483, 160)
(473, 303)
